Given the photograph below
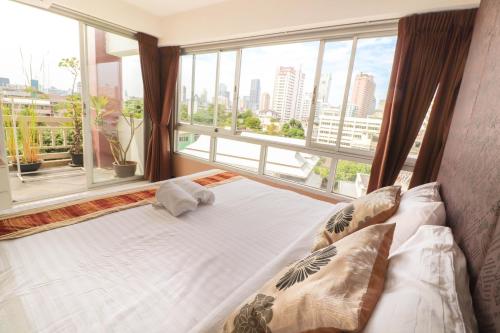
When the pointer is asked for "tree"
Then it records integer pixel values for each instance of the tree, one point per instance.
(252, 123)
(272, 129)
(347, 170)
(74, 103)
(293, 129)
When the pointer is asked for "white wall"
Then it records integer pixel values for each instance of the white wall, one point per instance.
(117, 12)
(243, 18)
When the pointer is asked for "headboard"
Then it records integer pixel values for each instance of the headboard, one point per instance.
(470, 169)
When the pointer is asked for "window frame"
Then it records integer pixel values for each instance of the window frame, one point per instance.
(335, 152)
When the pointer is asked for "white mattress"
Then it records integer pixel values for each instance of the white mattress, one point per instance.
(142, 270)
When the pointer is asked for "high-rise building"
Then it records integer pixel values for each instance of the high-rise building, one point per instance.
(254, 94)
(363, 94)
(4, 81)
(287, 93)
(325, 83)
(265, 101)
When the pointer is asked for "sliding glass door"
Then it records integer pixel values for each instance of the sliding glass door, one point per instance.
(71, 101)
(114, 117)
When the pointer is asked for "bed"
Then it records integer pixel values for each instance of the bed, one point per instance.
(143, 270)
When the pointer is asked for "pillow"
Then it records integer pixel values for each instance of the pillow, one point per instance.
(334, 288)
(427, 193)
(426, 288)
(419, 206)
(372, 208)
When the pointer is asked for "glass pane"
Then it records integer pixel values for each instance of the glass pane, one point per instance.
(331, 90)
(237, 153)
(369, 84)
(274, 84)
(351, 178)
(193, 144)
(185, 86)
(117, 105)
(204, 88)
(298, 167)
(40, 99)
(403, 179)
(227, 67)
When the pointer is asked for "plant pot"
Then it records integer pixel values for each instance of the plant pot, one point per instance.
(125, 170)
(30, 167)
(76, 159)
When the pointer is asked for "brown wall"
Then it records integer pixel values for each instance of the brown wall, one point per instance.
(470, 170)
(186, 166)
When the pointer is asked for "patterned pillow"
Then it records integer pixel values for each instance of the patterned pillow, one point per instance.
(333, 289)
(372, 208)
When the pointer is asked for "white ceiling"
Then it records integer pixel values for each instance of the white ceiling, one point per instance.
(169, 7)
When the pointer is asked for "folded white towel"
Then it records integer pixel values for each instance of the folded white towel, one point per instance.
(175, 199)
(199, 192)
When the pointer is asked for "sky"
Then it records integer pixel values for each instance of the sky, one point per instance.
(44, 39)
(373, 56)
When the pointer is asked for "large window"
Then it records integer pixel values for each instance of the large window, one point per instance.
(307, 112)
(72, 102)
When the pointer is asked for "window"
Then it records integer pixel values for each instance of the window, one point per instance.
(193, 144)
(185, 82)
(240, 154)
(351, 178)
(72, 97)
(303, 168)
(275, 90)
(306, 111)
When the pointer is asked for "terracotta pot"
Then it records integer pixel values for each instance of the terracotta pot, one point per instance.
(125, 170)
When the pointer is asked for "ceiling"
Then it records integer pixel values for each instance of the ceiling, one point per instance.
(168, 7)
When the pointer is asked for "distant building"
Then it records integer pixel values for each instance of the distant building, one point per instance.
(325, 84)
(254, 94)
(357, 132)
(288, 92)
(267, 117)
(35, 85)
(363, 94)
(4, 81)
(265, 101)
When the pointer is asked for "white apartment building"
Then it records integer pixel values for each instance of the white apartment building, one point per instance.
(287, 93)
(357, 132)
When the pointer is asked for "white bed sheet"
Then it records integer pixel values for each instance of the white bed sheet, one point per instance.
(142, 270)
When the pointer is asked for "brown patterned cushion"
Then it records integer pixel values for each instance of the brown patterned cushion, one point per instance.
(331, 290)
(372, 208)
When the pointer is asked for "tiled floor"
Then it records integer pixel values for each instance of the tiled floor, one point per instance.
(52, 182)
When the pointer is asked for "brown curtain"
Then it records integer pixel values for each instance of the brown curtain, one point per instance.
(421, 61)
(432, 148)
(159, 74)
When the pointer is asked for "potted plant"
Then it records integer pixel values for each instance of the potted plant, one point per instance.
(108, 126)
(76, 150)
(73, 106)
(30, 160)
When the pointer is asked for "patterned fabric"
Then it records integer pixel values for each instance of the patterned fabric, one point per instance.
(217, 179)
(56, 216)
(332, 290)
(372, 208)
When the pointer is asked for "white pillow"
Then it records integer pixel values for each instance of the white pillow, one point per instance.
(426, 288)
(426, 193)
(419, 206)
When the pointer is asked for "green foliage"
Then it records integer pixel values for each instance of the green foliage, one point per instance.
(293, 129)
(252, 123)
(134, 107)
(347, 170)
(73, 66)
(272, 129)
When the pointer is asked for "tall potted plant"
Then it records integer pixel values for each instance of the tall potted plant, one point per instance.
(30, 160)
(73, 106)
(132, 115)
